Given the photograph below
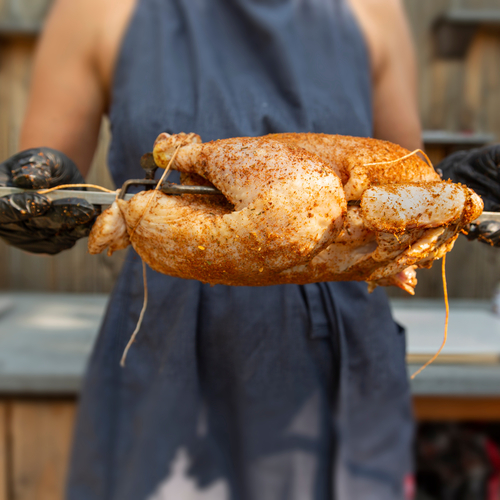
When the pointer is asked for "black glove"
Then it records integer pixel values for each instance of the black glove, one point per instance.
(487, 232)
(478, 169)
(31, 221)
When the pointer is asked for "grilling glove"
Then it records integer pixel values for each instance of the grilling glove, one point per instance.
(478, 169)
(30, 221)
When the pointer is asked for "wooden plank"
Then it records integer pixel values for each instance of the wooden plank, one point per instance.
(4, 485)
(41, 433)
(455, 359)
(474, 4)
(11, 30)
(476, 16)
(462, 139)
(24, 12)
(434, 409)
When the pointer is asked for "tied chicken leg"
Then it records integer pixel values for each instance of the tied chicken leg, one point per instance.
(284, 216)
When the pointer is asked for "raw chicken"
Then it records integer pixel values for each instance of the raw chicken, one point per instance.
(284, 216)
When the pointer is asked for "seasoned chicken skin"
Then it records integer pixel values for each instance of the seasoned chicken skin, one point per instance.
(353, 159)
(282, 206)
(284, 216)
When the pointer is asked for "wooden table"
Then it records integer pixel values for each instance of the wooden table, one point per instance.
(464, 382)
(46, 339)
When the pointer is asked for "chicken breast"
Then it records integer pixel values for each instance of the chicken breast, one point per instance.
(283, 216)
(361, 162)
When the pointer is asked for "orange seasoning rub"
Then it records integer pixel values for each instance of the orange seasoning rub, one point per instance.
(284, 217)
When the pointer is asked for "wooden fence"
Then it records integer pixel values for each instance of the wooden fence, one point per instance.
(460, 94)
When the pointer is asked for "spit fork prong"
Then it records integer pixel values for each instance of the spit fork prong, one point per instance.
(167, 188)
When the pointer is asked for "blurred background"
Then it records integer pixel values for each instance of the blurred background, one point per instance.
(457, 402)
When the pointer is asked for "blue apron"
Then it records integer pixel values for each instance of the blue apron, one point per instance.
(265, 393)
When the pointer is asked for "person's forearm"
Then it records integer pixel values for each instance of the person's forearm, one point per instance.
(66, 99)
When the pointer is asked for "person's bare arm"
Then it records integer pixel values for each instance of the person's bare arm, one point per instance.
(394, 74)
(66, 100)
(72, 76)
